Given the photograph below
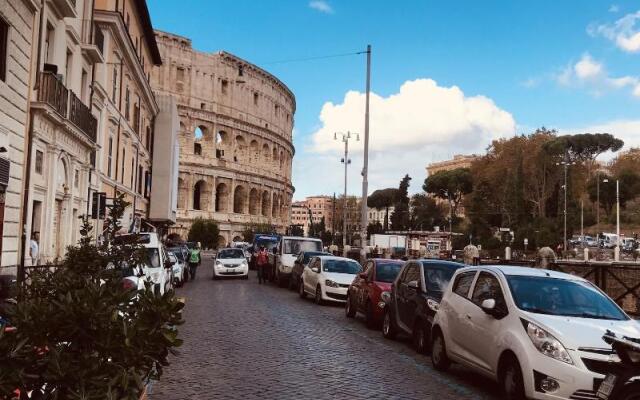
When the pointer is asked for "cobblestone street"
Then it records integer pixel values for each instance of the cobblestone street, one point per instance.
(246, 341)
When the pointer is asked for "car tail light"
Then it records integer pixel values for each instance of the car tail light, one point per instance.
(128, 284)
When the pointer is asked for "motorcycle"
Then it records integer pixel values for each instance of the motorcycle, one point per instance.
(623, 380)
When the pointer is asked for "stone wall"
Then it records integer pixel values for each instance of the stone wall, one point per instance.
(235, 138)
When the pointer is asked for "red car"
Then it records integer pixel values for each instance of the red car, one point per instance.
(364, 292)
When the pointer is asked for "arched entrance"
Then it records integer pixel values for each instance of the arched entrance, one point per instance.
(240, 200)
(266, 203)
(222, 198)
(254, 202)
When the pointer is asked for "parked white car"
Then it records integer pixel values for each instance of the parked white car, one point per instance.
(327, 278)
(178, 268)
(537, 332)
(231, 262)
(157, 267)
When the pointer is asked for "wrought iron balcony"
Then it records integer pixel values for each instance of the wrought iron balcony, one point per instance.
(65, 103)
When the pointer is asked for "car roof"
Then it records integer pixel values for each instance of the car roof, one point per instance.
(386, 260)
(229, 248)
(512, 270)
(440, 263)
(324, 258)
(301, 238)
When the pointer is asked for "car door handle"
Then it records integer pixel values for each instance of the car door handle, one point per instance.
(468, 316)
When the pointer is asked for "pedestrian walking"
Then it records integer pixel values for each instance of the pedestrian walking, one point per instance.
(262, 261)
(194, 261)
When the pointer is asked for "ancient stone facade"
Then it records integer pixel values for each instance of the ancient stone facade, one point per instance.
(235, 137)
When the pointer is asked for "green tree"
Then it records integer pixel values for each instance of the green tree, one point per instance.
(584, 146)
(425, 212)
(296, 230)
(383, 199)
(374, 228)
(400, 219)
(450, 185)
(250, 231)
(206, 232)
(79, 333)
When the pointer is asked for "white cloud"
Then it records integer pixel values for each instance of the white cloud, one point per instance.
(322, 6)
(593, 75)
(531, 82)
(423, 122)
(614, 8)
(624, 33)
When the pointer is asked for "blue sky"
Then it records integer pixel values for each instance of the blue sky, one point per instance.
(472, 71)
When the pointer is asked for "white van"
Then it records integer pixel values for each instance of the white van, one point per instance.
(157, 268)
(608, 240)
(286, 253)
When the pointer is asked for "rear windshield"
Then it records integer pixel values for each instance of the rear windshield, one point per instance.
(387, 272)
(308, 254)
(437, 277)
(296, 246)
(268, 243)
(178, 253)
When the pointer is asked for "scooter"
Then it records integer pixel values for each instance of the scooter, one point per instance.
(623, 380)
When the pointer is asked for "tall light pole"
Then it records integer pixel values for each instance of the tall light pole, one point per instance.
(345, 139)
(565, 163)
(365, 169)
(617, 251)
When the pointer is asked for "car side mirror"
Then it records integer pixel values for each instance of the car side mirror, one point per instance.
(413, 285)
(316, 270)
(489, 307)
(168, 263)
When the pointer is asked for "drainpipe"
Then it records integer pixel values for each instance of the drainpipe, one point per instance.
(27, 162)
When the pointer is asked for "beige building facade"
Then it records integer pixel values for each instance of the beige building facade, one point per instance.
(64, 126)
(235, 138)
(17, 35)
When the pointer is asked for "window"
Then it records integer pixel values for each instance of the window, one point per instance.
(4, 42)
(84, 87)
(437, 277)
(197, 149)
(255, 99)
(67, 75)
(127, 105)
(48, 43)
(203, 106)
(114, 88)
(412, 274)
(276, 110)
(110, 157)
(488, 287)
(76, 179)
(39, 161)
(124, 152)
(463, 283)
(224, 86)
(140, 174)
(132, 172)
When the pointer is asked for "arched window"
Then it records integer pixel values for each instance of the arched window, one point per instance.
(240, 200)
(254, 202)
(197, 149)
(200, 196)
(266, 203)
(222, 197)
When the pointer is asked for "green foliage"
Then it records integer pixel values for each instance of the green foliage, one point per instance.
(383, 199)
(584, 146)
(450, 185)
(425, 213)
(401, 218)
(206, 232)
(250, 230)
(374, 228)
(81, 335)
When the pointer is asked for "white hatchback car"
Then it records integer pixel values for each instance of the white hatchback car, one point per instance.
(537, 332)
(327, 278)
(231, 262)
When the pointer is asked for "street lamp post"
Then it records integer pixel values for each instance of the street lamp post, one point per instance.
(365, 169)
(617, 252)
(345, 139)
(565, 163)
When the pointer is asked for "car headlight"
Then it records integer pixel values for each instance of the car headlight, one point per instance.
(244, 262)
(547, 344)
(433, 305)
(385, 296)
(331, 283)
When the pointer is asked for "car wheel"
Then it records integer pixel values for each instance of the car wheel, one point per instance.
(349, 309)
(370, 319)
(630, 392)
(291, 285)
(439, 357)
(389, 329)
(301, 291)
(511, 380)
(420, 338)
(318, 298)
(214, 277)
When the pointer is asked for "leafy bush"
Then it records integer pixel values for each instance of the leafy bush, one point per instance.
(206, 232)
(80, 334)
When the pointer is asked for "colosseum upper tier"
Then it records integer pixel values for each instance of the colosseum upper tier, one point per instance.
(236, 149)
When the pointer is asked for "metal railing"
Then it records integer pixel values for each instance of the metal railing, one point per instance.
(53, 92)
(80, 116)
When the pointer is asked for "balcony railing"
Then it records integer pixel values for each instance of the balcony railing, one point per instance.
(53, 92)
(81, 116)
(67, 104)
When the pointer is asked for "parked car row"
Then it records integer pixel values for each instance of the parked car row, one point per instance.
(538, 333)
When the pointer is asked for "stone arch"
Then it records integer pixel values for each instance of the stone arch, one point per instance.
(221, 241)
(201, 195)
(255, 151)
(275, 206)
(266, 152)
(254, 202)
(275, 156)
(199, 132)
(266, 203)
(240, 200)
(222, 138)
(62, 180)
(240, 148)
(182, 193)
(222, 197)
(237, 237)
(281, 158)
(182, 127)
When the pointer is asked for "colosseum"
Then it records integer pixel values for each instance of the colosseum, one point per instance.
(236, 149)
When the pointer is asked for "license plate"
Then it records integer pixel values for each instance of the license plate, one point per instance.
(606, 387)
(229, 271)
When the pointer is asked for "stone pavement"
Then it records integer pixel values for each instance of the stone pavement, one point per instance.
(247, 341)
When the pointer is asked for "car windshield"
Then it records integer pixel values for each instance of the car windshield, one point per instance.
(268, 243)
(153, 258)
(296, 246)
(231, 253)
(177, 251)
(341, 266)
(437, 278)
(563, 297)
(308, 254)
(387, 272)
